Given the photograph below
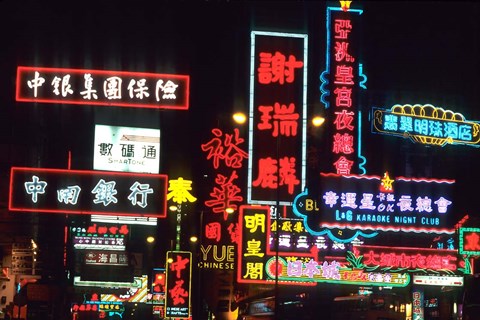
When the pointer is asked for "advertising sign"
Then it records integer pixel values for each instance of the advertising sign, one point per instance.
(102, 88)
(178, 287)
(426, 124)
(378, 203)
(469, 241)
(126, 149)
(87, 192)
(277, 132)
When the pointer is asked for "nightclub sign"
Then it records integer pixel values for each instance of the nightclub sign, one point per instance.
(426, 124)
(469, 241)
(377, 203)
(87, 192)
(102, 88)
(277, 124)
(340, 84)
(178, 284)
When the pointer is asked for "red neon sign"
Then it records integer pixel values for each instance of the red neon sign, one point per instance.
(102, 88)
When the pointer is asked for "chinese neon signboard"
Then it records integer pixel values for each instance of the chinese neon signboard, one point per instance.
(426, 124)
(126, 149)
(258, 263)
(102, 88)
(178, 288)
(451, 281)
(340, 83)
(401, 259)
(87, 192)
(469, 241)
(417, 304)
(374, 203)
(100, 237)
(277, 119)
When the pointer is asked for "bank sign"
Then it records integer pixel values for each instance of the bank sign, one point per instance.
(377, 203)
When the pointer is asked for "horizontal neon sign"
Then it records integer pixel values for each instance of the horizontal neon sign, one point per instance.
(102, 88)
(426, 124)
(400, 259)
(357, 202)
(87, 192)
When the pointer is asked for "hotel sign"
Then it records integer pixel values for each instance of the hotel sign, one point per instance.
(426, 124)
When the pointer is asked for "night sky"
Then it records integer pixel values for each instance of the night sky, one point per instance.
(413, 52)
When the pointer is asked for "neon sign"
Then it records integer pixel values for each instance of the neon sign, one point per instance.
(87, 192)
(426, 124)
(277, 125)
(340, 82)
(469, 241)
(362, 203)
(178, 285)
(102, 88)
(402, 259)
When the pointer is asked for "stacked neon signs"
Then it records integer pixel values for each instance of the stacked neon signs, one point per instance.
(342, 76)
(277, 119)
(87, 192)
(102, 88)
(258, 264)
(178, 284)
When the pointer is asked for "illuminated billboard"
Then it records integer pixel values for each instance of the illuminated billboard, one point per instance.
(87, 192)
(374, 203)
(102, 88)
(277, 118)
(126, 149)
(426, 124)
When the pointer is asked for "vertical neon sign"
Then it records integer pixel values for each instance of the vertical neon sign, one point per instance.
(178, 285)
(343, 77)
(277, 118)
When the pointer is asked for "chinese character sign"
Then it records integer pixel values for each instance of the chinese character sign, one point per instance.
(426, 124)
(469, 241)
(252, 249)
(102, 88)
(178, 288)
(360, 202)
(340, 84)
(277, 148)
(87, 192)
(126, 149)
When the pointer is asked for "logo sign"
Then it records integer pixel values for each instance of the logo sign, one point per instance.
(375, 203)
(426, 124)
(87, 192)
(277, 152)
(452, 281)
(178, 288)
(126, 149)
(417, 304)
(469, 241)
(102, 88)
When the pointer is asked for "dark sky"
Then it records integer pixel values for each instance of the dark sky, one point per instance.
(413, 52)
